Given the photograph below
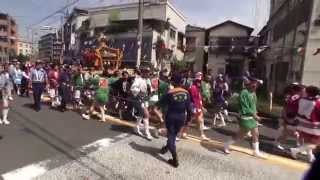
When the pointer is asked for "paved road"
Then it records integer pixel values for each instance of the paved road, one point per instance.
(135, 158)
(63, 146)
(36, 136)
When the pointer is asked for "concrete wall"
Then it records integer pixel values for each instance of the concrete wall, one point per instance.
(99, 17)
(197, 55)
(218, 62)
(311, 70)
(228, 30)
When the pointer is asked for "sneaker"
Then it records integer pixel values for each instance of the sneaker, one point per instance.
(149, 137)
(173, 163)
(279, 146)
(156, 134)
(6, 122)
(86, 116)
(294, 153)
(226, 149)
(164, 150)
(11, 98)
(1, 122)
(205, 128)
(204, 138)
(259, 155)
(249, 134)
(94, 113)
(311, 158)
(184, 136)
(138, 132)
(177, 139)
(222, 125)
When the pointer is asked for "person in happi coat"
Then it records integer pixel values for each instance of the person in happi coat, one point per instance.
(249, 118)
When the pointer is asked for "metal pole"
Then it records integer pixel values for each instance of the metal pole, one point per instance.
(32, 55)
(62, 38)
(140, 32)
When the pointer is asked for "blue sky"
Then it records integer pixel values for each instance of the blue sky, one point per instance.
(203, 13)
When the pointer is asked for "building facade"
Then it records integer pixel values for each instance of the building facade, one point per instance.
(118, 23)
(292, 37)
(8, 36)
(50, 48)
(224, 48)
(230, 45)
(24, 47)
(195, 42)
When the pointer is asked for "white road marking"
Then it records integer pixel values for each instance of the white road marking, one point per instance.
(27, 173)
(34, 170)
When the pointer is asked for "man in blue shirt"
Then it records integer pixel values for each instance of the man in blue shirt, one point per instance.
(178, 102)
(39, 79)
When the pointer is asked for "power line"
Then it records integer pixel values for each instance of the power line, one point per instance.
(61, 10)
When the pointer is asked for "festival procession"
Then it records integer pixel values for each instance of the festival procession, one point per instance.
(112, 96)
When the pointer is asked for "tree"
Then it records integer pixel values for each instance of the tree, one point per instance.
(22, 58)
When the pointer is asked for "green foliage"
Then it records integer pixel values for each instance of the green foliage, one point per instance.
(179, 65)
(114, 15)
(22, 58)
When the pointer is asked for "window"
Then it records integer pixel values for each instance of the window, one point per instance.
(180, 41)
(3, 39)
(191, 44)
(3, 28)
(172, 34)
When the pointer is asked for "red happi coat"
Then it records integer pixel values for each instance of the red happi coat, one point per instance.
(309, 120)
(53, 78)
(291, 109)
(196, 97)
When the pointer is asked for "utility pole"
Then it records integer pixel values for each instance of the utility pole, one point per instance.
(140, 33)
(62, 39)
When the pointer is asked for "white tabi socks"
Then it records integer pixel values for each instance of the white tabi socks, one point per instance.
(147, 128)
(5, 116)
(304, 148)
(256, 151)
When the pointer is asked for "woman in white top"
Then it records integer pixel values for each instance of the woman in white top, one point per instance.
(18, 74)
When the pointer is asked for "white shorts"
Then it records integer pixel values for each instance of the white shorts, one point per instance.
(77, 94)
(5, 99)
(52, 93)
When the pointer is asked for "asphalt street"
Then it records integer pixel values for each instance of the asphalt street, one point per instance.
(136, 158)
(35, 136)
(63, 146)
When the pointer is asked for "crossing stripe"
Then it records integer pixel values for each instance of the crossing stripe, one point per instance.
(37, 169)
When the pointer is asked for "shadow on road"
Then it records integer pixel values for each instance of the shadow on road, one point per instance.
(154, 152)
(29, 106)
(211, 147)
(68, 150)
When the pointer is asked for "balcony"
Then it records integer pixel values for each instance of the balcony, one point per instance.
(236, 45)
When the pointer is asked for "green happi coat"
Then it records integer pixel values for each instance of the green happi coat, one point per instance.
(206, 92)
(248, 108)
(101, 92)
(78, 81)
(163, 88)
